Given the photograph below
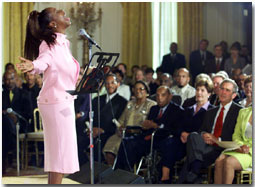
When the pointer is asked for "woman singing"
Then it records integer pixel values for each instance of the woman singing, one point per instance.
(47, 51)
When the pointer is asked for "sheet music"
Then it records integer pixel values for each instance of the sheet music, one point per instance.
(231, 145)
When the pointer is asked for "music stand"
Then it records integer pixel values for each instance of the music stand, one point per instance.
(92, 82)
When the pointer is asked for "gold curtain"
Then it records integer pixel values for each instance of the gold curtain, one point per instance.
(137, 34)
(190, 27)
(14, 30)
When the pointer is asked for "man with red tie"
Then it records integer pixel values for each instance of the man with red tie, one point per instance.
(165, 117)
(218, 124)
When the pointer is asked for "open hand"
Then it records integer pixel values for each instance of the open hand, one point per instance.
(25, 65)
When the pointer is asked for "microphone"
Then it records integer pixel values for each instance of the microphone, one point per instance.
(10, 111)
(84, 34)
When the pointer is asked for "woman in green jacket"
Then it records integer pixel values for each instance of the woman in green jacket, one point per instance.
(238, 159)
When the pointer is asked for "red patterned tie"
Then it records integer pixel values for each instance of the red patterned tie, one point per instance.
(160, 113)
(219, 124)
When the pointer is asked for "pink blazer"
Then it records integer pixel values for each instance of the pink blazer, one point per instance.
(60, 71)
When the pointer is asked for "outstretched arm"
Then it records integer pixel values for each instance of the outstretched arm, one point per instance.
(25, 65)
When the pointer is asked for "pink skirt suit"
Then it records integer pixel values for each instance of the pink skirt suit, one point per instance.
(60, 73)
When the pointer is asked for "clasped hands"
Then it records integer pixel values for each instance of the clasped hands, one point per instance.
(243, 149)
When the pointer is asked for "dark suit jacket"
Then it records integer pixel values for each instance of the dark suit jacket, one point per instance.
(195, 64)
(193, 122)
(229, 122)
(210, 65)
(189, 102)
(108, 112)
(21, 103)
(169, 66)
(177, 99)
(170, 119)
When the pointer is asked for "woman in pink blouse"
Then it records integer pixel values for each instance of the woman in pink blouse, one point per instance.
(47, 51)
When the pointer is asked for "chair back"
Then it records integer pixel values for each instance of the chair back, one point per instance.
(37, 121)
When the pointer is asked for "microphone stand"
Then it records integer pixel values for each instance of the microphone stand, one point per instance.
(91, 83)
(91, 116)
(17, 141)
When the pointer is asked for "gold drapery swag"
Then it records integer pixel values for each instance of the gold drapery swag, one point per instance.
(15, 16)
(137, 34)
(190, 27)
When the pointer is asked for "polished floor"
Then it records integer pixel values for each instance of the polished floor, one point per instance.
(32, 175)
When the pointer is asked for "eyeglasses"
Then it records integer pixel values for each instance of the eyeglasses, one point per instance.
(139, 89)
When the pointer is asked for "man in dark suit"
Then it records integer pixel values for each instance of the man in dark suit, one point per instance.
(198, 59)
(32, 88)
(215, 64)
(219, 124)
(173, 60)
(111, 107)
(18, 100)
(164, 118)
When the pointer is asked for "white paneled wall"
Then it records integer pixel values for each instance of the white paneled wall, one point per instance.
(108, 36)
(224, 21)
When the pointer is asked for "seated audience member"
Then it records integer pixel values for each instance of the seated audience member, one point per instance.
(191, 122)
(18, 100)
(164, 118)
(224, 46)
(123, 89)
(33, 91)
(150, 81)
(39, 80)
(134, 68)
(240, 82)
(173, 61)
(241, 158)
(217, 80)
(81, 107)
(138, 76)
(216, 63)
(245, 53)
(111, 107)
(9, 67)
(133, 116)
(191, 101)
(248, 92)
(123, 68)
(183, 88)
(167, 80)
(18, 81)
(218, 124)
(159, 73)
(234, 61)
(235, 74)
(144, 67)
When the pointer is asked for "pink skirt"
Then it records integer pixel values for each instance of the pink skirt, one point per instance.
(60, 142)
